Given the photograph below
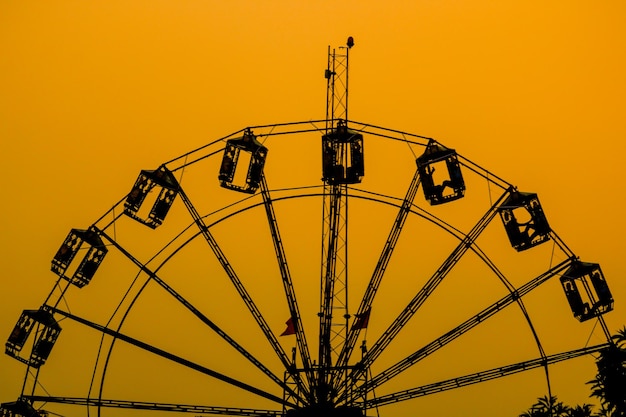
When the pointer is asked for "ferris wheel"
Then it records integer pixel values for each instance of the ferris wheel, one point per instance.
(232, 280)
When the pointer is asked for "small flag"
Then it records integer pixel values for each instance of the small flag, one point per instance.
(361, 320)
(291, 328)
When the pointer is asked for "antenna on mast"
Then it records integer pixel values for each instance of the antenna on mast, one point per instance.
(336, 75)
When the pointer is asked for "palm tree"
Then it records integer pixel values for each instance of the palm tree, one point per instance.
(585, 410)
(547, 407)
(609, 385)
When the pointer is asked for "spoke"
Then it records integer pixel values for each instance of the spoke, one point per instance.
(170, 356)
(483, 376)
(290, 294)
(241, 290)
(431, 285)
(380, 269)
(464, 327)
(144, 405)
(153, 276)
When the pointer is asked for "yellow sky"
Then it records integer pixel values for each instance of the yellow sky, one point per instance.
(93, 92)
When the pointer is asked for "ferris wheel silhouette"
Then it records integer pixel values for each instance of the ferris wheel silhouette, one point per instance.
(216, 287)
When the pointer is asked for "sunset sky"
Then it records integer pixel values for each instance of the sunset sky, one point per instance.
(93, 92)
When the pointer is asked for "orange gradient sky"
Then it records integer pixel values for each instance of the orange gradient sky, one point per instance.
(92, 92)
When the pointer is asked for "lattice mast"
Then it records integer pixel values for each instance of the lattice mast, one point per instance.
(340, 146)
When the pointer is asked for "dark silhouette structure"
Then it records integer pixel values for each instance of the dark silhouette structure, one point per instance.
(327, 373)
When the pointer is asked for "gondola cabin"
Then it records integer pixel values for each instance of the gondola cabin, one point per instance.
(242, 163)
(342, 156)
(440, 174)
(38, 326)
(586, 290)
(161, 185)
(524, 220)
(19, 408)
(79, 271)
